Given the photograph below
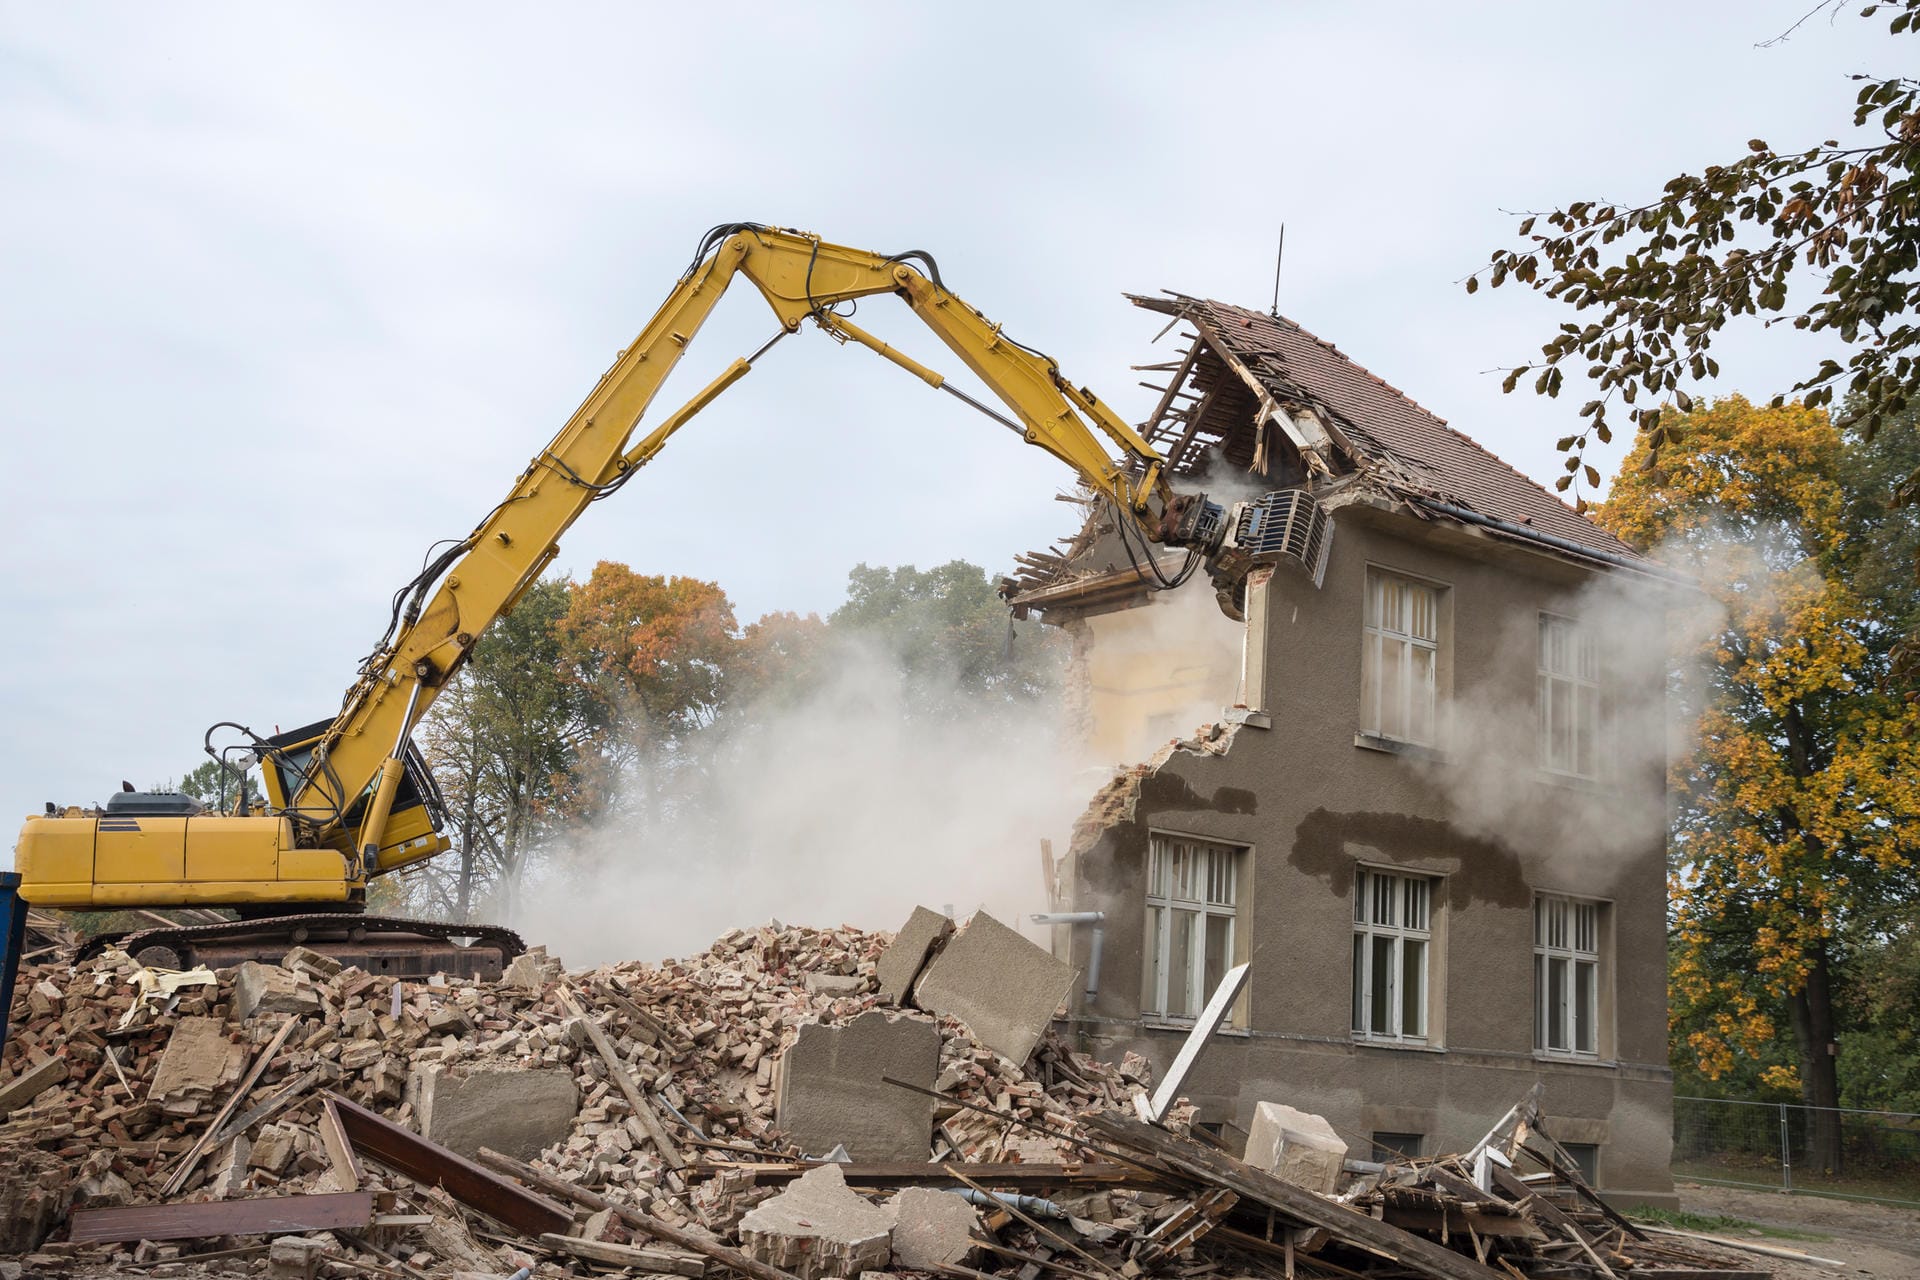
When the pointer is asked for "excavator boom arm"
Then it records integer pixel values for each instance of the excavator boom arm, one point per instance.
(800, 277)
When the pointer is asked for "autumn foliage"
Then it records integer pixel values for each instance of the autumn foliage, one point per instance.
(1798, 804)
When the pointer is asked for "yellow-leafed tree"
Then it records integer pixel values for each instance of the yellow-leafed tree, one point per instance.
(1798, 803)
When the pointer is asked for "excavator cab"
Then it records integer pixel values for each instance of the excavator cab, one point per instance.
(413, 827)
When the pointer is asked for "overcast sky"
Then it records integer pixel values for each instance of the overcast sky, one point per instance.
(288, 292)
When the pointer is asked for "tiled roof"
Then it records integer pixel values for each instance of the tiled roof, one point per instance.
(1384, 423)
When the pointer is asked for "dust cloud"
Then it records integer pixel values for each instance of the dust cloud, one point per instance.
(852, 804)
(1591, 820)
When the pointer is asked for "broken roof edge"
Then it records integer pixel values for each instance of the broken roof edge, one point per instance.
(1393, 464)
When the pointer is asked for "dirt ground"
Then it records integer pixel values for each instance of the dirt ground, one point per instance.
(1870, 1239)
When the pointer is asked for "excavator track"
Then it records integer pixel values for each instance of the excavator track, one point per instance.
(377, 944)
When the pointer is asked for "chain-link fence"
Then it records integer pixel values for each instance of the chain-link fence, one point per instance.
(1868, 1155)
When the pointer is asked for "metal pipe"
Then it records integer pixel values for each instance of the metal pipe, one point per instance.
(1553, 540)
(1034, 1205)
(1098, 919)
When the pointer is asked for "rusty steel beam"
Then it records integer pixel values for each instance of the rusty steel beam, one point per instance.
(269, 1215)
(432, 1165)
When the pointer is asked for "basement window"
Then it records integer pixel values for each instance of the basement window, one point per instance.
(1569, 697)
(1193, 910)
(1400, 659)
(1391, 1147)
(1392, 955)
(1566, 976)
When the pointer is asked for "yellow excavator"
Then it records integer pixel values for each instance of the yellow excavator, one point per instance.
(348, 798)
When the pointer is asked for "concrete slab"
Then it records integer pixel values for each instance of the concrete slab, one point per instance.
(517, 1111)
(831, 1090)
(1002, 986)
(924, 932)
(196, 1060)
(931, 1228)
(817, 1227)
(1296, 1146)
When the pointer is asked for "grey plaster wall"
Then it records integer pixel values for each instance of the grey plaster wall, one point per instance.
(1312, 807)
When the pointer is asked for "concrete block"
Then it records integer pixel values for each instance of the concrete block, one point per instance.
(817, 1227)
(195, 1062)
(267, 988)
(1295, 1146)
(931, 1228)
(834, 984)
(516, 1110)
(831, 1091)
(27, 1085)
(1002, 986)
(923, 933)
(272, 1150)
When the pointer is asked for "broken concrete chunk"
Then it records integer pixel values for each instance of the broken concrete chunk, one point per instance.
(834, 984)
(533, 969)
(817, 1227)
(267, 988)
(307, 960)
(196, 1061)
(272, 1149)
(449, 1020)
(31, 1083)
(1296, 1146)
(923, 934)
(515, 1110)
(931, 1229)
(832, 1092)
(1002, 986)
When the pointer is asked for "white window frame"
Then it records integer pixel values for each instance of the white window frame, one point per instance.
(1566, 938)
(1392, 910)
(1569, 697)
(1392, 634)
(1191, 883)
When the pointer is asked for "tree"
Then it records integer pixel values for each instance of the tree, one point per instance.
(653, 655)
(504, 741)
(217, 787)
(949, 630)
(1797, 811)
(1664, 278)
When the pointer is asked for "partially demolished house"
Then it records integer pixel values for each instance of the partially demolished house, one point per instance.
(1432, 819)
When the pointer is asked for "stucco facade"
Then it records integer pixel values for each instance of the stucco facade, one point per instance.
(1292, 791)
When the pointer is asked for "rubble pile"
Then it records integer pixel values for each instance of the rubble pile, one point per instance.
(759, 1109)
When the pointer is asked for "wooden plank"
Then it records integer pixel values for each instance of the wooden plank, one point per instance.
(656, 1133)
(269, 1215)
(658, 1261)
(273, 1105)
(1215, 1168)
(346, 1166)
(646, 1223)
(431, 1164)
(205, 1143)
(907, 1173)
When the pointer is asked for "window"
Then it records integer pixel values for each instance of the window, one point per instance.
(1566, 976)
(1193, 900)
(1569, 697)
(1400, 658)
(1586, 1158)
(1389, 1147)
(1392, 939)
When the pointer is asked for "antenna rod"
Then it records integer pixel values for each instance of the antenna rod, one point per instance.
(1279, 254)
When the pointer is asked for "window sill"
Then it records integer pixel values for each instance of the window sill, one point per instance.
(1184, 1026)
(1398, 747)
(1572, 1059)
(1400, 1046)
(1575, 782)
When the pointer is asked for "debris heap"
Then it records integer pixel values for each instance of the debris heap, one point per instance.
(759, 1109)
